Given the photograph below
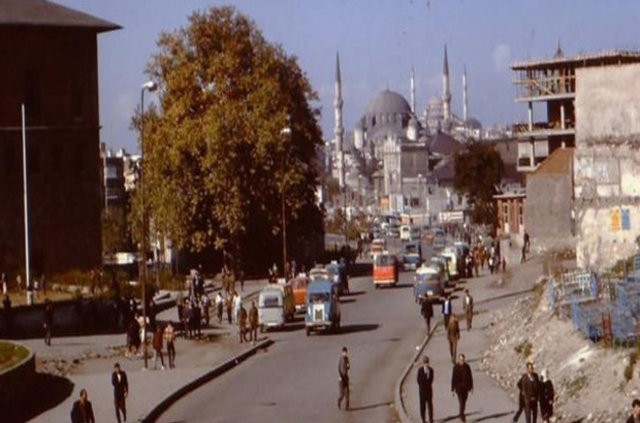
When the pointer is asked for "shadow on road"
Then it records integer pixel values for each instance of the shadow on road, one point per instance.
(457, 417)
(369, 407)
(48, 391)
(358, 328)
(492, 416)
(347, 300)
(354, 293)
(401, 286)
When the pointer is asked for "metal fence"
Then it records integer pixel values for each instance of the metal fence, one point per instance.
(602, 309)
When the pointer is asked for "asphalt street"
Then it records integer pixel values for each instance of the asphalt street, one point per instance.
(297, 379)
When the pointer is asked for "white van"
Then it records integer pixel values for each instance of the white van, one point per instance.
(276, 306)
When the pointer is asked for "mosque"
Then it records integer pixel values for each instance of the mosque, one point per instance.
(403, 158)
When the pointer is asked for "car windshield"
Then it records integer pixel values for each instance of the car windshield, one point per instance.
(383, 260)
(319, 297)
(270, 301)
(411, 249)
(412, 259)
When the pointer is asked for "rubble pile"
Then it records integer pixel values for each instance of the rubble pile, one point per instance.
(592, 382)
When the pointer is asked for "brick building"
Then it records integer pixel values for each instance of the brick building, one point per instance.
(51, 67)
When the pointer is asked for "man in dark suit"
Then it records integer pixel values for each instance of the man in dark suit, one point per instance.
(120, 391)
(462, 383)
(82, 411)
(530, 385)
(425, 382)
(426, 309)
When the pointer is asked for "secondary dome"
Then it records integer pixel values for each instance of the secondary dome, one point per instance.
(388, 102)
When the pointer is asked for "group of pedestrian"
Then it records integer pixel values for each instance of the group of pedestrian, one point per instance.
(535, 391)
(461, 386)
(82, 409)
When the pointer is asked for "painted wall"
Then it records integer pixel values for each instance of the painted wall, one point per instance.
(606, 164)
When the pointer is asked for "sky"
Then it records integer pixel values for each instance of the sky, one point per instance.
(379, 41)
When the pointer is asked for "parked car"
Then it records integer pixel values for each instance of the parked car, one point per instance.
(323, 307)
(427, 281)
(276, 306)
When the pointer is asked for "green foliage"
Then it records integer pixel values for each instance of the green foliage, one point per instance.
(217, 162)
(114, 230)
(71, 277)
(478, 170)
(525, 348)
(11, 354)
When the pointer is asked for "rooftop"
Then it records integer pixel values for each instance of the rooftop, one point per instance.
(608, 57)
(42, 13)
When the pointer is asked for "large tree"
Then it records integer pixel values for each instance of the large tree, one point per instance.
(218, 163)
(479, 169)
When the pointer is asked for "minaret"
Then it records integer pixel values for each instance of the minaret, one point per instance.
(465, 104)
(446, 93)
(338, 130)
(413, 91)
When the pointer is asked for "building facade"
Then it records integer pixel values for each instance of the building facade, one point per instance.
(56, 79)
(606, 163)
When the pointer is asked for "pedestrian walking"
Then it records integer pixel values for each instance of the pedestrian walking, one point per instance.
(468, 308)
(82, 410)
(206, 306)
(446, 310)
(426, 310)
(47, 321)
(453, 335)
(19, 282)
(229, 306)
(242, 323)
(253, 322)
(157, 348)
(5, 288)
(6, 308)
(120, 391)
(237, 302)
(462, 384)
(547, 396)
(219, 302)
(635, 411)
(530, 385)
(344, 365)
(169, 336)
(520, 402)
(425, 389)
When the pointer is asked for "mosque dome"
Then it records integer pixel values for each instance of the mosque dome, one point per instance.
(473, 123)
(388, 102)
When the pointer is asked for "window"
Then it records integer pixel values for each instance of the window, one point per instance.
(505, 213)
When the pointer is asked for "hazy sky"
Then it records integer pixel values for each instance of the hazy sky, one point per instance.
(378, 40)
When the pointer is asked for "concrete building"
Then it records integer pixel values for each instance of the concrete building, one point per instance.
(548, 87)
(50, 66)
(607, 159)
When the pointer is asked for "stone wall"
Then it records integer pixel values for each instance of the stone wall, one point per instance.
(606, 164)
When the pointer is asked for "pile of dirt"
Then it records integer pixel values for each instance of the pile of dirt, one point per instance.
(593, 383)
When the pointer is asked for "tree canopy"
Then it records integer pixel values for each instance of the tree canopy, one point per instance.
(479, 169)
(218, 161)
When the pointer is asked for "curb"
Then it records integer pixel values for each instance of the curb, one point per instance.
(399, 402)
(164, 405)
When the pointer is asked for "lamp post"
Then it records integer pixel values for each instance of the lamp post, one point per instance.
(286, 131)
(147, 86)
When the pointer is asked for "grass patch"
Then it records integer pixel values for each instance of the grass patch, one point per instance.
(524, 348)
(576, 385)
(10, 354)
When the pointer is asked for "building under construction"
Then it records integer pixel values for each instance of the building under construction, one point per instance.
(552, 83)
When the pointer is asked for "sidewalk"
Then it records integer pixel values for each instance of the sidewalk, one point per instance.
(96, 355)
(488, 402)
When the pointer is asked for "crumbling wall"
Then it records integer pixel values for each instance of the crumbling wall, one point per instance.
(548, 212)
(607, 164)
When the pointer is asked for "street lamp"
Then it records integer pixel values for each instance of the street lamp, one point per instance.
(147, 86)
(286, 131)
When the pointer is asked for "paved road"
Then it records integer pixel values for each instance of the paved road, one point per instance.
(297, 379)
